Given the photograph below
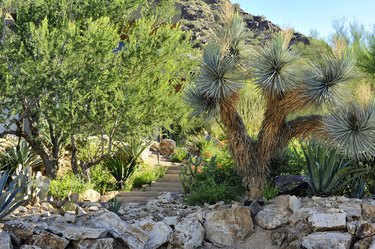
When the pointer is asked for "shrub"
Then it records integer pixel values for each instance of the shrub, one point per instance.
(214, 182)
(102, 180)
(179, 154)
(146, 174)
(68, 184)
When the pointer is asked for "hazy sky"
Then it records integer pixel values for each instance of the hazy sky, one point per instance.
(304, 15)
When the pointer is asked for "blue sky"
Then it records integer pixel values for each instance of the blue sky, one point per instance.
(304, 15)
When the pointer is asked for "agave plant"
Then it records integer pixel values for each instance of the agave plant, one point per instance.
(21, 154)
(288, 84)
(124, 163)
(12, 195)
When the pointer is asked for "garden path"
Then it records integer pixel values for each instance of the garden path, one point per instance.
(169, 183)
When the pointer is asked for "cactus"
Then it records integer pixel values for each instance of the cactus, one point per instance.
(189, 172)
(14, 195)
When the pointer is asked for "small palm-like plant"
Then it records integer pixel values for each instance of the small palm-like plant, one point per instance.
(12, 195)
(288, 84)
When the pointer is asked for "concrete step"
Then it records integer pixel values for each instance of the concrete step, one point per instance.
(140, 194)
(165, 189)
(174, 168)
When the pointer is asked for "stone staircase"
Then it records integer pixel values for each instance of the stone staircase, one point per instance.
(169, 183)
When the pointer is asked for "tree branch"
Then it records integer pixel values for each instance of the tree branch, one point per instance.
(304, 126)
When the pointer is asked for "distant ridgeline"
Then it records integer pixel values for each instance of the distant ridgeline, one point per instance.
(202, 16)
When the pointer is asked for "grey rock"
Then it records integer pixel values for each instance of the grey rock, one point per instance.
(72, 232)
(170, 220)
(106, 243)
(49, 241)
(351, 227)
(29, 247)
(227, 227)
(365, 229)
(351, 209)
(327, 240)
(188, 234)
(294, 203)
(159, 233)
(90, 195)
(134, 237)
(271, 217)
(363, 243)
(323, 221)
(255, 207)
(5, 240)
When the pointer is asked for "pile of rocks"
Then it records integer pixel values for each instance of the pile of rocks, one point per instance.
(166, 222)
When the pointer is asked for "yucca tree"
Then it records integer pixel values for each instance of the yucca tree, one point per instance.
(289, 83)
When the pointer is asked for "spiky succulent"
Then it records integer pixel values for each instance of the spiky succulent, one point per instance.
(201, 104)
(353, 129)
(324, 80)
(274, 67)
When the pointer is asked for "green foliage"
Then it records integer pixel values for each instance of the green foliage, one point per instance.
(12, 195)
(189, 173)
(126, 161)
(211, 182)
(114, 205)
(270, 191)
(179, 154)
(101, 179)
(328, 171)
(20, 154)
(68, 184)
(146, 174)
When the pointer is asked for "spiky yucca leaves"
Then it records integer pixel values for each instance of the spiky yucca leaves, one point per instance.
(274, 66)
(324, 80)
(353, 129)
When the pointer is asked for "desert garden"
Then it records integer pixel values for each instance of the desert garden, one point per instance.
(182, 124)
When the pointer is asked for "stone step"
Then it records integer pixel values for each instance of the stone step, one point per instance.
(173, 171)
(174, 168)
(134, 199)
(165, 189)
(169, 178)
(166, 184)
(140, 194)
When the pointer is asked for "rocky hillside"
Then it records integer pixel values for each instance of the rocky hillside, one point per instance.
(201, 17)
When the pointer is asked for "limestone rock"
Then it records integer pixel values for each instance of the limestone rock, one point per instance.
(351, 210)
(134, 237)
(167, 147)
(90, 195)
(5, 240)
(368, 212)
(29, 247)
(72, 232)
(106, 243)
(227, 227)
(108, 196)
(324, 221)
(365, 229)
(363, 243)
(271, 217)
(159, 233)
(171, 220)
(327, 240)
(188, 234)
(47, 240)
(294, 203)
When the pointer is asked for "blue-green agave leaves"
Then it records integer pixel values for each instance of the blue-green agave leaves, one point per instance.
(275, 69)
(201, 104)
(323, 81)
(217, 79)
(352, 128)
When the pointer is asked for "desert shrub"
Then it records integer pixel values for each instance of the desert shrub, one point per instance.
(179, 154)
(146, 173)
(270, 191)
(101, 179)
(214, 181)
(68, 184)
